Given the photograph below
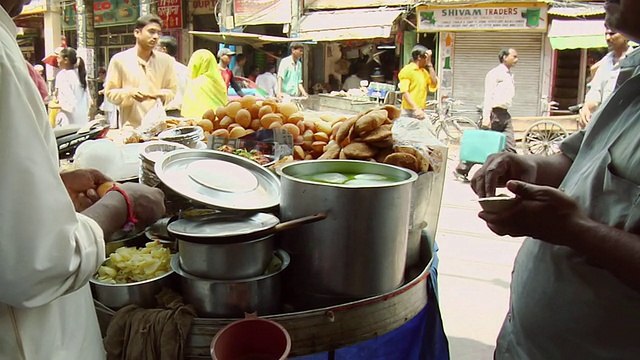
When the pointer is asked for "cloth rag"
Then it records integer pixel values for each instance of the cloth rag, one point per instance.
(137, 333)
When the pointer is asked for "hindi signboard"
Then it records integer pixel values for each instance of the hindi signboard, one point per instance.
(170, 11)
(516, 17)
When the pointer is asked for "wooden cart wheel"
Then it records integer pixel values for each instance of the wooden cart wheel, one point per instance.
(544, 138)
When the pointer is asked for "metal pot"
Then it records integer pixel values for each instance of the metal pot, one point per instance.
(233, 298)
(360, 249)
(226, 261)
(228, 246)
(142, 293)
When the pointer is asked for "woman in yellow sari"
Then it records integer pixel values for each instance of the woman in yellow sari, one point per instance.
(205, 89)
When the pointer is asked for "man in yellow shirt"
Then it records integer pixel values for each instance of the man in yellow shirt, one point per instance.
(138, 77)
(415, 78)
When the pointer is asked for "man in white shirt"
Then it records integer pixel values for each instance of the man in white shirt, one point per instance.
(169, 46)
(353, 81)
(604, 80)
(52, 225)
(499, 90)
(268, 81)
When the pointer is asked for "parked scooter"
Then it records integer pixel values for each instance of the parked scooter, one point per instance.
(68, 137)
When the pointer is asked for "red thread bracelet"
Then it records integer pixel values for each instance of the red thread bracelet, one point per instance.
(131, 218)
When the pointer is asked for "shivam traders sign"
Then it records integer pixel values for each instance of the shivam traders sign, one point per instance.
(516, 17)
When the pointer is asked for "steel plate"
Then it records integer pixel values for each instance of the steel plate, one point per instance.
(195, 174)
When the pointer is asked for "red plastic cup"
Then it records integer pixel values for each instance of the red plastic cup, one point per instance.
(251, 339)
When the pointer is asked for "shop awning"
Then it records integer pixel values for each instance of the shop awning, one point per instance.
(237, 38)
(577, 34)
(348, 24)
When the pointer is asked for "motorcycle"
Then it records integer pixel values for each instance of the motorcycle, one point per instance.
(69, 137)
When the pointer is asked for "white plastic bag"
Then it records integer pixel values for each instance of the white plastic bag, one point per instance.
(154, 122)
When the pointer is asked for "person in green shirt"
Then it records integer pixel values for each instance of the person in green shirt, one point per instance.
(290, 73)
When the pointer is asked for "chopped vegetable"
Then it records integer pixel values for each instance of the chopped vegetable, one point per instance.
(255, 155)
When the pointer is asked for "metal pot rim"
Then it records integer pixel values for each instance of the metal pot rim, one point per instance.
(168, 273)
(283, 255)
(281, 172)
(225, 241)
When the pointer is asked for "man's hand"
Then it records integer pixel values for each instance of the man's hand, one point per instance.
(81, 185)
(585, 116)
(418, 113)
(279, 96)
(138, 95)
(500, 168)
(541, 212)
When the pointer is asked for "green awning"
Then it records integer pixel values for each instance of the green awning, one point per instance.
(577, 34)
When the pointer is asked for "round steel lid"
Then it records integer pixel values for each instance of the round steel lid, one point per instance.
(219, 179)
(222, 225)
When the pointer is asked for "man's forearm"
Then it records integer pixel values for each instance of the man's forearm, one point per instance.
(432, 75)
(303, 92)
(279, 89)
(236, 87)
(550, 170)
(612, 249)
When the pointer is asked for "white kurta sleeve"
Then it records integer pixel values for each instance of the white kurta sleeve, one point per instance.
(48, 250)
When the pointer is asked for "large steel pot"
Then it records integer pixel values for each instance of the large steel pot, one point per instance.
(233, 298)
(360, 249)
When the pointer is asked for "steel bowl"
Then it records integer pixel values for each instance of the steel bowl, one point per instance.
(141, 293)
(233, 298)
(226, 261)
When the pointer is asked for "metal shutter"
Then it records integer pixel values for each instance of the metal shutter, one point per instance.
(475, 53)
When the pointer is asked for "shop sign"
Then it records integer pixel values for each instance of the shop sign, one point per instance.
(34, 7)
(105, 13)
(170, 11)
(201, 7)
(517, 17)
(256, 12)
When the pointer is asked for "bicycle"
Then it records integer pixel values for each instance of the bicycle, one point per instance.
(444, 122)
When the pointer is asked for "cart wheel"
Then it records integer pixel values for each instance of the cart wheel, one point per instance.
(544, 138)
(456, 125)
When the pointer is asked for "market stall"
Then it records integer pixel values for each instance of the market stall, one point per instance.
(341, 221)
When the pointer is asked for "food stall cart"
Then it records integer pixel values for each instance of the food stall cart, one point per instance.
(403, 320)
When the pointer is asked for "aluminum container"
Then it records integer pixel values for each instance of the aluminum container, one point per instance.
(185, 135)
(233, 298)
(226, 261)
(142, 293)
(360, 249)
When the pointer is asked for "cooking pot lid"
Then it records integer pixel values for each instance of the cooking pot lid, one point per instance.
(219, 179)
(222, 225)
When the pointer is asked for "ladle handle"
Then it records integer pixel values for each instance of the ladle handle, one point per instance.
(300, 221)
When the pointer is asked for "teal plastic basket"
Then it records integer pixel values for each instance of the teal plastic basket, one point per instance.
(477, 145)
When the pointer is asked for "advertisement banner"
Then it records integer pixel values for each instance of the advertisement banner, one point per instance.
(201, 7)
(516, 17)
(256, 12)
(170, 11)
(105, 13)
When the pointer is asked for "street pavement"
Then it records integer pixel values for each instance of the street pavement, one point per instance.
(474, 271)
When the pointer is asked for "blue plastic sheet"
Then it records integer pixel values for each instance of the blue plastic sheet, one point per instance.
(421, 338)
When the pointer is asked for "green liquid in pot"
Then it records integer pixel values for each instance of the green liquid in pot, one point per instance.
(351, 179)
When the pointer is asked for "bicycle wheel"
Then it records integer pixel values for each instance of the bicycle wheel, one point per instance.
(456, 125)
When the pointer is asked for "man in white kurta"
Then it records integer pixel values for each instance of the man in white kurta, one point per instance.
(48, 250)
